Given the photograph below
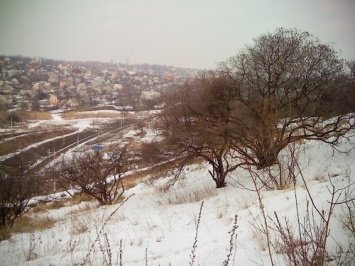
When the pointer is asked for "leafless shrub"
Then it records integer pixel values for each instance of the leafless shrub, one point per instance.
(194, 123)
(95, 173)
(263, 225)
(106, 251)
(308, 246)
(16, 190)
(282, 175)
(346, 255)
(153, 153)
(348, 205)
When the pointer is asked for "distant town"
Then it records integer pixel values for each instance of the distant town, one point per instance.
(39, 84)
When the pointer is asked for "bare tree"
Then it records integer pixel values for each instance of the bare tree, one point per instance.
(194, 123)
(284, 89)
(16, 189)
(351, 66)
(349, 95)
(96, 173)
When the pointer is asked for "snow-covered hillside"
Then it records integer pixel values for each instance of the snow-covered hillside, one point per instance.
(158, 226)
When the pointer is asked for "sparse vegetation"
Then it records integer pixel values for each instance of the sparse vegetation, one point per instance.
(248, 119)
(98, 114)
(11, 118)
(281, 98)
(95, 173)
(194, 123)
(28, 138)
(16, 189)
(268, 96)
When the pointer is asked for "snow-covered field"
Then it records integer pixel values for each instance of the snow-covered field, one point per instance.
(158, 226)
(80, 124)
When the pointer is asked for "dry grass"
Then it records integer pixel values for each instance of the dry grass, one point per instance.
(3, 115)
(42, 208)
(20, 142)
(155, 172)
(320, 178)
(78, 198)
(26, 115)
(37, 116)
(27, 224)
(34, 220)
(183, 194)
(78, 227)
(5, 233)
(260, 238)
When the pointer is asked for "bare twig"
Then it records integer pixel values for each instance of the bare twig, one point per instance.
(194, 246)
(103, 227)
(233, 237)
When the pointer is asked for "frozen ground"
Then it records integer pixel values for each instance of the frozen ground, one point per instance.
(158, 226)
(79, 124)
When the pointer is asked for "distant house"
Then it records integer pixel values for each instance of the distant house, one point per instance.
(107, 88)
(68, 70)
(53, 100)
(41, 85)
(64, 82)
(50, 102)
(117, 87)
(12, 72)
(81, 86)
(72, 102)
(5, 99)
(53, 78)
(7, 89)
(24, 92)
(149, 95)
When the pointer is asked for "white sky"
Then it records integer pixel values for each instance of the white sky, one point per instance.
(185, 33)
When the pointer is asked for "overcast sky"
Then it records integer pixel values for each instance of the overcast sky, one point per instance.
(183, 33)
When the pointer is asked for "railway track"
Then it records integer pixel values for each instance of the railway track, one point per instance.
(101, 133)
(34, 159)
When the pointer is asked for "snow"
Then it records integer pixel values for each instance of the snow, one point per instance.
(107, 112)
(2, 158)
(159, 224)
(79, 124)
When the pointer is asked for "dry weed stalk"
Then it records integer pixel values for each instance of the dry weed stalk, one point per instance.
(98, 234)
(121, 253)
(313, 231)
(31, 254)
(146, 256)
(232, 241)
(308, 248)
(194, 246)
(264, 226)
